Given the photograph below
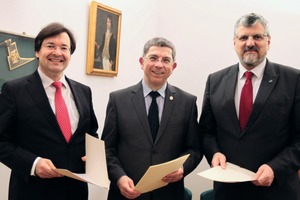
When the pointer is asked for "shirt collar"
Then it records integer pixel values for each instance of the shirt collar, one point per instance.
(46, 81)
(258, 71)
(147, 89)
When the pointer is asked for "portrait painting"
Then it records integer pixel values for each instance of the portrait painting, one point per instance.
(103, 40)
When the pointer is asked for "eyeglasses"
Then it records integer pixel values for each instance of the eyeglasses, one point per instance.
(256, 37)
(52, 47)
(155, 59)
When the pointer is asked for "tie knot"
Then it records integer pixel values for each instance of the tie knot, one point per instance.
(57, 84)
(248, 75)
(154, 94)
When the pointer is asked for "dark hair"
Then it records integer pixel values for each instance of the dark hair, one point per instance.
(111, 22)
(159, 42)
(51, 30)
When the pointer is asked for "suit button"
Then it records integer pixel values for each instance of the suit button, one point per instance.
(242, 140)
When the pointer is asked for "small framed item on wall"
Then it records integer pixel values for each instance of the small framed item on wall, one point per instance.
(17, 56)
(103, 40)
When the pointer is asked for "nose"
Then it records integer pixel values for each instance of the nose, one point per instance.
(159, 63)
(250, 42)
(57, 51)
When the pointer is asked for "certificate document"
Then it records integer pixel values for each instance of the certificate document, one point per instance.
(231, 174)
(96, 170)
(152, 178)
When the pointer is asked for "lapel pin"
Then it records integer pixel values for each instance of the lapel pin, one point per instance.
(270, 81)
(171, 98)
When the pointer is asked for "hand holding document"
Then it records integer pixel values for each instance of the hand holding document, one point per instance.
(152, 178)
(96, 171)
(231, 174)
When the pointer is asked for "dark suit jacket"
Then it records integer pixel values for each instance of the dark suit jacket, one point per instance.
(272, 135)
(28, 129)
(129, 146)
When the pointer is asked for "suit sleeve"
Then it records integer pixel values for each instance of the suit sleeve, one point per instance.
(11, 154)
(289, 158)
(110, 136)
(208, 126)
(193, 141)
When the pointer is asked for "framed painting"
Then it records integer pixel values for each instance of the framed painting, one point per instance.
(17, 56)
(103, 40)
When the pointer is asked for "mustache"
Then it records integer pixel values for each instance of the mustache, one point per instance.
(253, 48)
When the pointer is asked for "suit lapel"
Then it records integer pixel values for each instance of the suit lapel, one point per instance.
(37, 92)
(268, 83)
(138, 102)
(169, 105)
(231, 80)
(77, 95)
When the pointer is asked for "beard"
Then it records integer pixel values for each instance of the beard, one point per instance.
(252, 60)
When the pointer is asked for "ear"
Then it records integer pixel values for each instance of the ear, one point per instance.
(141, 60)
(37, 54)
(269, 41)
(174, 65)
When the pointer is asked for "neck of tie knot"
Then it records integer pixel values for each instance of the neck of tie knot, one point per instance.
(57, 84)
(248, 75)
(154, 94)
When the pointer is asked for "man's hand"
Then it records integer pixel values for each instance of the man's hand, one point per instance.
(174, 176)
(44, 168)
(83, 158)
(264, 176)
(126, 187)
(218, 159)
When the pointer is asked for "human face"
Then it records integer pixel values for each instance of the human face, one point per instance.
(108, 23)
(54, 55)
(158, 65)
(251, 45)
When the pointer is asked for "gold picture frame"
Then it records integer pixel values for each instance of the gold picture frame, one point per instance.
(103, 40)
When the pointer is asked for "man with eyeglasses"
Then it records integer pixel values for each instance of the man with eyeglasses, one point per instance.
(256, 125)
(43, 125)
(133, 144)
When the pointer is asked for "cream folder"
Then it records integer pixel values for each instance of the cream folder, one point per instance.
(231, 174)
(96, 170)
(152, 178)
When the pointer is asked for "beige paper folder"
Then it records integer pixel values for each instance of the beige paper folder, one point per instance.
(152, 178)
(96, 170)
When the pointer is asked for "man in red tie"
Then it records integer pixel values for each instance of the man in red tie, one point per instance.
(250, 117)
(43, 121)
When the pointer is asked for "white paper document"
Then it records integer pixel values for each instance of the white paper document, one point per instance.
(152, 178)
(96, 171)
(231, 174)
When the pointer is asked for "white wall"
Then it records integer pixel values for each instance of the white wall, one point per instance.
(201, 30)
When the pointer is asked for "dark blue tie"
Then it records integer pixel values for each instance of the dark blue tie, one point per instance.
(153, 115)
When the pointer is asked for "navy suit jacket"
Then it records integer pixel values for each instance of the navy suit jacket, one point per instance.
(272, 135)
(28, 129)
(130, 149)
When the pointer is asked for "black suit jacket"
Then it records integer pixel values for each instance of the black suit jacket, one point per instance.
(130, 149)
(28, 129)
(272, 135)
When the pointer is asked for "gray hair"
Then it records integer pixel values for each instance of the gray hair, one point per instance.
(251, 20)
(159, 42)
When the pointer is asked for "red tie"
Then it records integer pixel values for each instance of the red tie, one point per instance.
(61, 111)
(246, 101)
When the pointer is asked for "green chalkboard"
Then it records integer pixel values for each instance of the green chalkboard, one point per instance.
(17, 56)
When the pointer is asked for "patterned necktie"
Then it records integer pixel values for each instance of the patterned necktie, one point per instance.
(61, 111)
(246, 101)
(153, 115)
